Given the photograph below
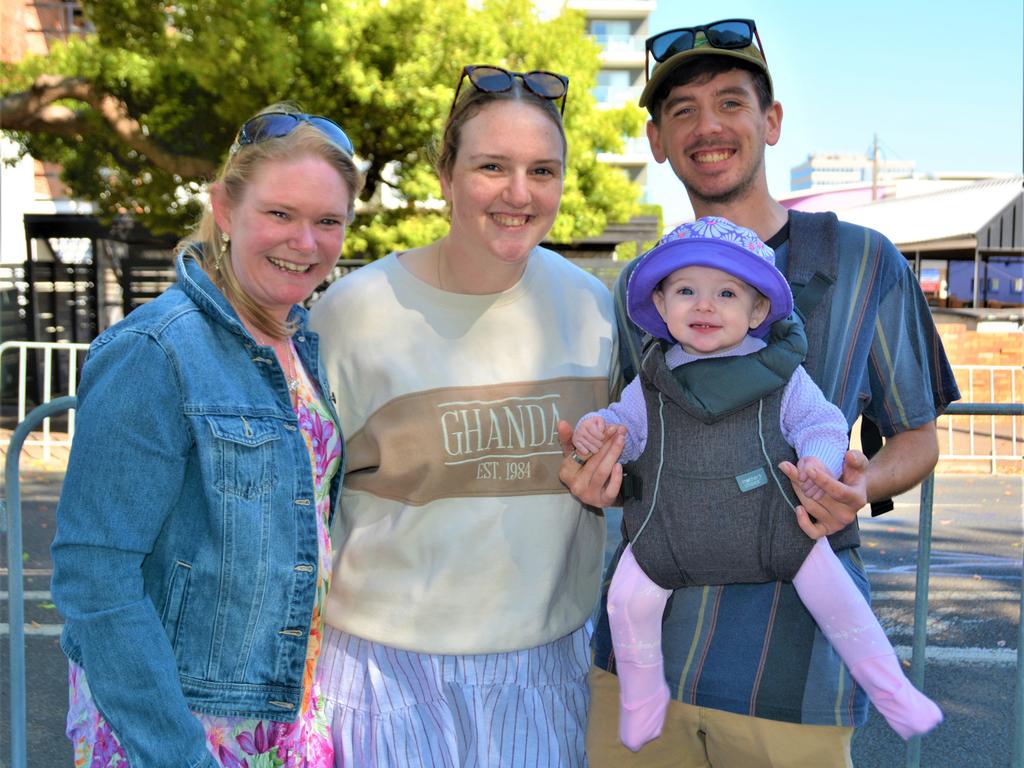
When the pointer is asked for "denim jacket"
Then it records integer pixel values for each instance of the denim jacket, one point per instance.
(185, 559)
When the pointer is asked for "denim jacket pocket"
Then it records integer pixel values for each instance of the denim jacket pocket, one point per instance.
(176, 601)
(244, 451)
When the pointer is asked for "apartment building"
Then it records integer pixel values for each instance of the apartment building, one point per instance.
(30, 186)
(826, 169)
(620, 27)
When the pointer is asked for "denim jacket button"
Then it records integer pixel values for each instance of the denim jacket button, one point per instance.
(302, 502)
(290, 427)
(304, 568)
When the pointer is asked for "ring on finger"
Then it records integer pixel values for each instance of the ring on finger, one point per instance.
(576, 457)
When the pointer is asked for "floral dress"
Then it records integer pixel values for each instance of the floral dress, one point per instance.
(238, 742)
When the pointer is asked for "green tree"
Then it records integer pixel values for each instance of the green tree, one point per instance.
(139, 113)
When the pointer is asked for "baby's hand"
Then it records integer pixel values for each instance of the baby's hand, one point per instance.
(589, 436)
(807, 483)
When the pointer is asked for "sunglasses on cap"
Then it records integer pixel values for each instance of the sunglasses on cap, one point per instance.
(726, 34)
(273, 125)
(489, 79)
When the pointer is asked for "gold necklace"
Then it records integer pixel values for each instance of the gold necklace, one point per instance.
(291, 373)
(286, 360)
(440, 254)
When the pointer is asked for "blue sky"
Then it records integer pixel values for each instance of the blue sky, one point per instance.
(940, 82)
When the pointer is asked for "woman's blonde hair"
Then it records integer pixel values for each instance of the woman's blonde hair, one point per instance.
(205, 242)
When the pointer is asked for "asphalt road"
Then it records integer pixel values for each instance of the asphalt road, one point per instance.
(972, 626)
(973, 617)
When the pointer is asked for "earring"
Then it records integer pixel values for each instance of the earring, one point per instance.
(225, 242)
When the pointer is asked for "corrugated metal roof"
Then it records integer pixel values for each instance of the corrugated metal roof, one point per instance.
(956, 214)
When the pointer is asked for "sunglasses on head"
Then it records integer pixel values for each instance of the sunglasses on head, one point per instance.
(273, 125)
(726, 34)
(547, 85)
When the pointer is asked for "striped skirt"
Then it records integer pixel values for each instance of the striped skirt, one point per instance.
(398, 709)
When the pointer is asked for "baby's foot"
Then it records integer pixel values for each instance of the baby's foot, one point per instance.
(642, 722)
(908, 711)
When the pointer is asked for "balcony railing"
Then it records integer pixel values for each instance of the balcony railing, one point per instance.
(616, 95)
(620, 43)
(60, 20)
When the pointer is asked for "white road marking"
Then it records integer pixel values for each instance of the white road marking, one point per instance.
(35, 630)
(41, 595)
(955, 656)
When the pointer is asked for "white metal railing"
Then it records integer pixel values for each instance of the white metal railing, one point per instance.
(615, 43)
(615, 96)
(48, 350)
(992, 438)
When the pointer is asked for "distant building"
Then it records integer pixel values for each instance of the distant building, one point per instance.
(28, 185)
(64, 276)
(832, 169)
(620, 27)
(837, 197)
(963, 233)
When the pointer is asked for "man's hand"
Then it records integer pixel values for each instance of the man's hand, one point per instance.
(597, 482)
(840, 501)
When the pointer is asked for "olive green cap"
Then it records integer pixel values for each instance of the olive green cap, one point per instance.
(751, 54)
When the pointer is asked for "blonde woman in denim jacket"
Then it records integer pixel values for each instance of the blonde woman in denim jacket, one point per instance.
(192, 553)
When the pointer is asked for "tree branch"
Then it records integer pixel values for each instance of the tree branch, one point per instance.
(33, 111)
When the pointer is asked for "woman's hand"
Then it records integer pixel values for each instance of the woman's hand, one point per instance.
(596, 481)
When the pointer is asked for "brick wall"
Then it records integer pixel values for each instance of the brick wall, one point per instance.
(969, 347)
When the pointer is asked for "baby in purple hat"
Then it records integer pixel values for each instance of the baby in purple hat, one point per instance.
(713, 411)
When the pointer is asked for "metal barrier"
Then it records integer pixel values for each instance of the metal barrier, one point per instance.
(16, 615)
(924, 551)
(15, 576)
(47, 349)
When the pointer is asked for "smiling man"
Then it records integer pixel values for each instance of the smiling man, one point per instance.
(753, 681)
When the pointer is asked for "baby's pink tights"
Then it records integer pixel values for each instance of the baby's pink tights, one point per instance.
(636, 606)
(846, 619)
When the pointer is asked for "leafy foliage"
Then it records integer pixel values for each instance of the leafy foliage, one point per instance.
(187, 74)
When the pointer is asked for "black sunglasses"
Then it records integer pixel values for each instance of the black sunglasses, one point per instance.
(489, 79)
(726, 34)
(273, 125)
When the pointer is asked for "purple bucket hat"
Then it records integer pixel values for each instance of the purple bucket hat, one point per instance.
(707, 242)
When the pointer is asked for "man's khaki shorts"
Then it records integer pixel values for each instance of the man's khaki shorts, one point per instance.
(697, 737)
